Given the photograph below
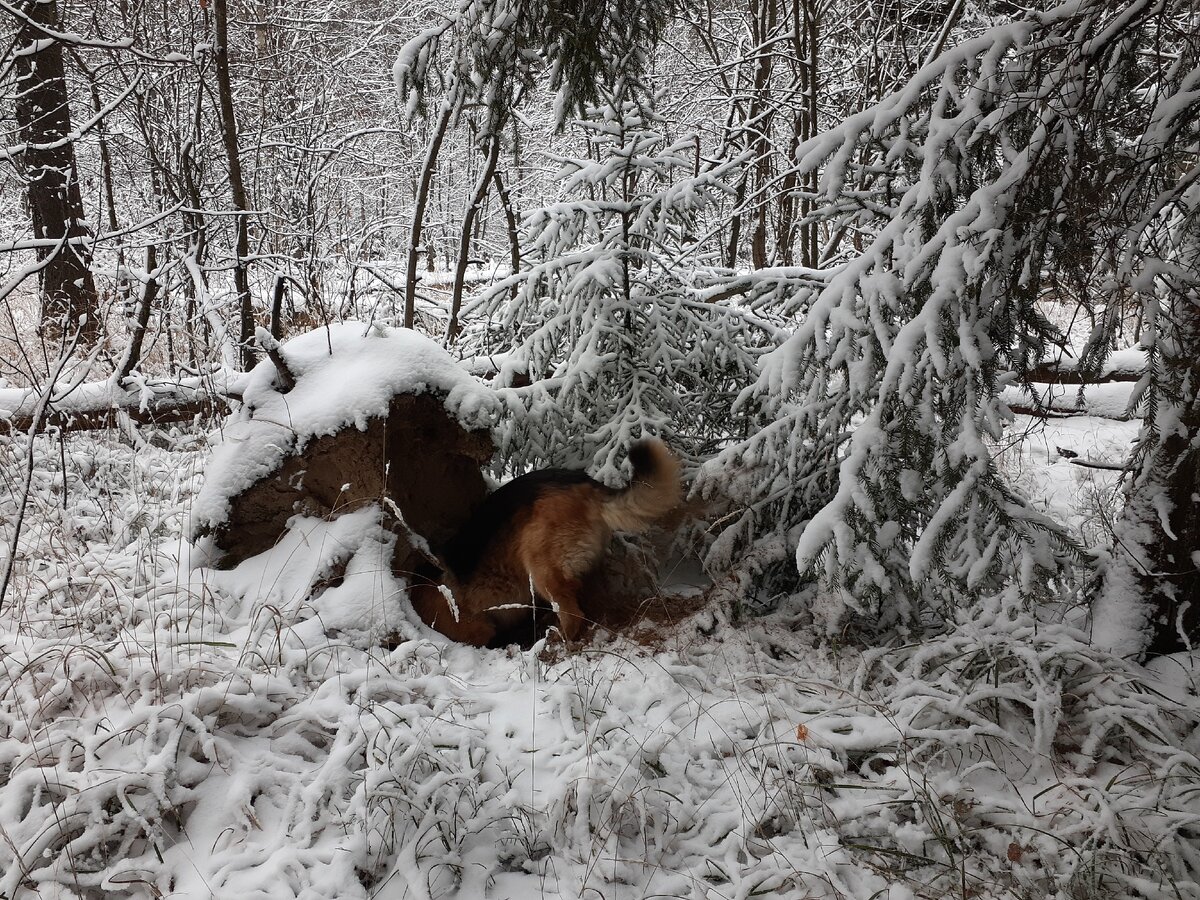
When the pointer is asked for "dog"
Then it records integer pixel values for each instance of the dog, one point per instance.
(534, 541)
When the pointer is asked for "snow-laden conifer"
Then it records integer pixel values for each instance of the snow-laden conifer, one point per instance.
(604, 320)
(1052, 145)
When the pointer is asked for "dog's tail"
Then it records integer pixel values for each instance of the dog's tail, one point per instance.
(651, 493)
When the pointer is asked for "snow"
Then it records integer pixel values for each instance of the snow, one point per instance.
(351, 547)
(288, 728)
(1178, 674)
(169, 728)
(75, 396)
(346, 375)
(1108, 400)
(1075, 495)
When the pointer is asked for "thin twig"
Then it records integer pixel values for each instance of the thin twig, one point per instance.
(35, 426)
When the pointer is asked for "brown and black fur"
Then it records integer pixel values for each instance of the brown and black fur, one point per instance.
(537, 538)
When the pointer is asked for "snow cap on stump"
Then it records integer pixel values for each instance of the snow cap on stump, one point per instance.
(374, 411)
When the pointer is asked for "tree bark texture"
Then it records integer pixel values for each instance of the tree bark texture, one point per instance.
(510, 221)
(43, 114)
(422, 200)
(133, 354)
(464, 243)
(237, 186)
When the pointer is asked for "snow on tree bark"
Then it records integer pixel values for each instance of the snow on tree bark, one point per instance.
(47, 160)
(237, 187)
(1148, 597)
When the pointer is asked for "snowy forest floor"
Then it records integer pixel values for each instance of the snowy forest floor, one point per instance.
(175, 732)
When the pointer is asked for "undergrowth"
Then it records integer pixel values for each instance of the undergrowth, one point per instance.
(166, 732)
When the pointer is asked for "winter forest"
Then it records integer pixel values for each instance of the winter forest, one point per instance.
(910, 289)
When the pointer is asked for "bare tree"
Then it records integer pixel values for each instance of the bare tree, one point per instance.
(46, 157)
(493, 56)
(237, 186)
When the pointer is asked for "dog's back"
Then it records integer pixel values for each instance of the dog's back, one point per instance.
(539, 536)
(500, 510)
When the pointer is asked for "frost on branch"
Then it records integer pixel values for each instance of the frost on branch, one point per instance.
(1149, 590)
(987, 180)
(604, 320)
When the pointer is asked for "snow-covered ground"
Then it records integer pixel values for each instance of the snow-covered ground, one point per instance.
(170, 732)
(1050, 460)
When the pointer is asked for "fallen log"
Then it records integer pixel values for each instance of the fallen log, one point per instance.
(1054, 401)
(1053, 374)
(1097, 464)
(97, 405)
(373, 417)
(1119, 366)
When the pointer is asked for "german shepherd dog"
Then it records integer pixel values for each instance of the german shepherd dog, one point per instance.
(537, 538)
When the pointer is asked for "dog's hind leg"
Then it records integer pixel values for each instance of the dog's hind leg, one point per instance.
(562, 591)
(478, 631)
(561, 543)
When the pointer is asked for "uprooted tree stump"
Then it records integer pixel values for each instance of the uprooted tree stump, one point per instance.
(370, 416)
(416, 457)
(352, 417)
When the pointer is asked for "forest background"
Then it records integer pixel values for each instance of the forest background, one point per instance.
(827, 250)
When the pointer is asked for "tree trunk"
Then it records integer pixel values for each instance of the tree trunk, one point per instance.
(106, 175)
(464, 242)
(43, 114)
(812, 88)
(133, 354)
(195, 293)
(785, 234)
(510, 221)
(422, 200)
(753, 135)
(758, 123)
(1149, 592)
(237, 187)
(278, 293)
